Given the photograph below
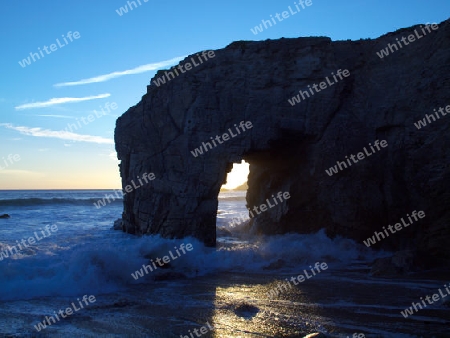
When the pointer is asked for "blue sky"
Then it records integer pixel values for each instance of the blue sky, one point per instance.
(33, 126)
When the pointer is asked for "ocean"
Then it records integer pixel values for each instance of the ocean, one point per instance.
(57, 249)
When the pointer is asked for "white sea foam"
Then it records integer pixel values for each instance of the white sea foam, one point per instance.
(85, 256)
(103, 265)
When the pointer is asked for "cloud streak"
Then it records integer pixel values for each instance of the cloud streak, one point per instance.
(137, 70)
(21, 172)
(62, 134)
(57, 116)
(60, 100)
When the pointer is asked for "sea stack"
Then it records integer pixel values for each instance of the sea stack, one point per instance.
(290, 147)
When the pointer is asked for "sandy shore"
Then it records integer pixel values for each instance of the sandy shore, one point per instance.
(338, 303)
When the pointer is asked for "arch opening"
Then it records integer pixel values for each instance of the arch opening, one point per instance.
(232, 213)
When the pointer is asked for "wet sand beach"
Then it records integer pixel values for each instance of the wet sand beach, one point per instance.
(337, 303)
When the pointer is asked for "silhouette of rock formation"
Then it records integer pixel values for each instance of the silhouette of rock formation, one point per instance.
(290, 147)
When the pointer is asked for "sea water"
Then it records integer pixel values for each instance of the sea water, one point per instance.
(227, 285)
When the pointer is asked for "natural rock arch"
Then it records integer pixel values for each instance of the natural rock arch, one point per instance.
(289, 147)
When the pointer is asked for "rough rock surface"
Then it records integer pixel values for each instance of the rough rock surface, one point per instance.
(289, 147)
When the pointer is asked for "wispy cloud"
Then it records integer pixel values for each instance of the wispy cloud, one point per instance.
(22, 172)
(113, 155)
(57, 116)
(60, 100)
(137, 70)
(62, 134)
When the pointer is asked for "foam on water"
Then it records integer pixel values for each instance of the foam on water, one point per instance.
(85, 257)
(96, 265)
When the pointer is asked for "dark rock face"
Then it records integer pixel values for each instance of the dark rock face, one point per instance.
(290, 147)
